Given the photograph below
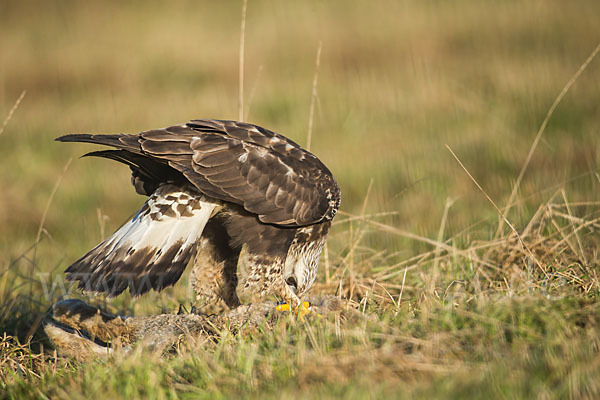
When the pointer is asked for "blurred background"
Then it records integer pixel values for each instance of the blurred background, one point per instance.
(398, 80)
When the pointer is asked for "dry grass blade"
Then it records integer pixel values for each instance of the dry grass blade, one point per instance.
(253, 92)
(49, 202)
(47, 208)
(440, 237)
(17, 359)
(397, 231)
(523, 245)
(241, 72)
(574, 232)
(313, 98)
(409, 235)
(568, 217)
(402, 288)
(101, 222)
(12, 111)
(400, 232)
(376, 215)
(571, 222)
(538, 136)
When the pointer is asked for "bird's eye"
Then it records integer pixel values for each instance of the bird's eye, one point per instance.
(291, 281)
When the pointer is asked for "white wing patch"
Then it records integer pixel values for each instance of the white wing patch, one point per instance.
(168, 218)
(152, 249)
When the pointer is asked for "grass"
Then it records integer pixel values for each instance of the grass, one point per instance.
(456, 308)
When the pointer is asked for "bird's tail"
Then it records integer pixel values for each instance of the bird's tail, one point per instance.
(148, 172)
(151, 250)
(118, 140)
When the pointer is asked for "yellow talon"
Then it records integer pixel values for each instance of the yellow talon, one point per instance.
(302, 310)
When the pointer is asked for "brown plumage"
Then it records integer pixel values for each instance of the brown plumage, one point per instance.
(252, 191)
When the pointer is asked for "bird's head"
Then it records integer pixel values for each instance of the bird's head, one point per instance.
(302, 261)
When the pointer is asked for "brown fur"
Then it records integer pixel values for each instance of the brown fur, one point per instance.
(81, 331)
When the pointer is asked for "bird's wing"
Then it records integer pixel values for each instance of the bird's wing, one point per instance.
(151, 250)
(262, 171)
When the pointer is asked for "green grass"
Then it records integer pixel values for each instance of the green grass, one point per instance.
(398, 81)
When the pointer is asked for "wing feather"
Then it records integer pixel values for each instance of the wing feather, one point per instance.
(260, 170)
(227, 175)
(151, 250)
(164, 147)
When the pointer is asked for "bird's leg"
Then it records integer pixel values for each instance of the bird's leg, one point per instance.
(214, 275)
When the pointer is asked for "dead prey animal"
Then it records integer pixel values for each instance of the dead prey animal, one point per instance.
(81, 331)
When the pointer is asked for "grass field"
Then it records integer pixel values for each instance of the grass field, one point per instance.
(461, 304)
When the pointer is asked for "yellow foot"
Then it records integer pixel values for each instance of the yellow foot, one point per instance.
(302, 310)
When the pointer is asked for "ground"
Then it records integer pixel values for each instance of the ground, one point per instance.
(457, 302)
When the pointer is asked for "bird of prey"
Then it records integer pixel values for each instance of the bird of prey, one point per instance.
(224, 191)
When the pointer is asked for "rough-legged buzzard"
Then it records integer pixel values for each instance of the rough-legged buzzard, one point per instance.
(222, 190)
